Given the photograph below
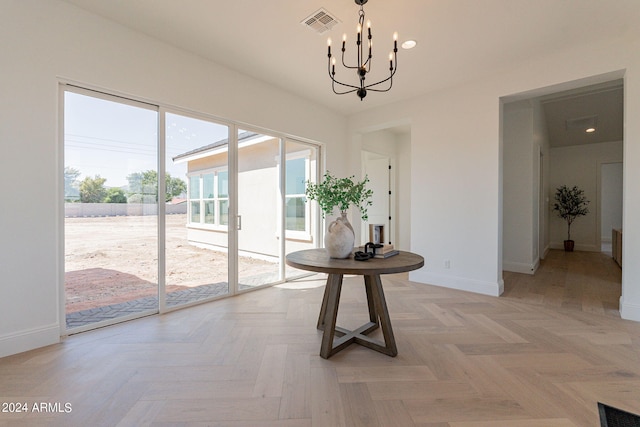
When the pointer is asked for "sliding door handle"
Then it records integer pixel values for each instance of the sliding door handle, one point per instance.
(239, 223)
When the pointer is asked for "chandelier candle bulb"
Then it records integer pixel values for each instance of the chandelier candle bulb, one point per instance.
(329, 46)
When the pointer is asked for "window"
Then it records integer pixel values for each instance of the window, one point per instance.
(194, 198)
(209, 198)
(295, 206)
(296, 210)
(223, 197)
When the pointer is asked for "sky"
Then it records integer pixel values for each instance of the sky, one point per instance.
(114, 139)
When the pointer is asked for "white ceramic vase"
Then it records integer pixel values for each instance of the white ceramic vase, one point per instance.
(339, 238)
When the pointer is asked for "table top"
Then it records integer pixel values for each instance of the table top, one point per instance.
(319, 261)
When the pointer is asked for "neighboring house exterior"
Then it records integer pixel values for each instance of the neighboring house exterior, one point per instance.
(259, 203)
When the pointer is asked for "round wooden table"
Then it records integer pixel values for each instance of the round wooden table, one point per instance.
(318, 260)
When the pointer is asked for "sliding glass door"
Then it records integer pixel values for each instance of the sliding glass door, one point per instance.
(196, 209)
(274, 217)
(111, 208)
(259, 197)
(301, 223)
(165, 209)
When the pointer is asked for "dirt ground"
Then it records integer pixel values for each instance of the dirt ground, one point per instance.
(114, 259)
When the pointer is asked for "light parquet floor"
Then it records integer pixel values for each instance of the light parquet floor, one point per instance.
(586, 281)
(465, 360)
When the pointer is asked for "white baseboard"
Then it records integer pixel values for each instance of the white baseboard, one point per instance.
(520, 267)
(577, 247)
(629, 311)
(29, 339)
(545, 252)
(460, 283)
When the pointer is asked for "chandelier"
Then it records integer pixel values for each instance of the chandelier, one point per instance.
(363, 65)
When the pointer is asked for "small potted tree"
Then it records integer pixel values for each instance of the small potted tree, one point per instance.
(340, 193)
(570, 204)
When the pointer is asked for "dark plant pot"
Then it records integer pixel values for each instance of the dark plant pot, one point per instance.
(568, 245)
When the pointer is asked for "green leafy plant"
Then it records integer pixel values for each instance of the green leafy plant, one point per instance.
(92, 190)
(342, 193)
(143, 187)
(570, 203)
(115, 195)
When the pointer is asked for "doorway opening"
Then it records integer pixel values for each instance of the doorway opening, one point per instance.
(386, 161)
(543, 148)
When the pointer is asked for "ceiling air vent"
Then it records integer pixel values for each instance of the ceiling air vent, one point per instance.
(320, 21)
(582, 123)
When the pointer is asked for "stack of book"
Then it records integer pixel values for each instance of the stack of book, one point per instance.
(384, 252)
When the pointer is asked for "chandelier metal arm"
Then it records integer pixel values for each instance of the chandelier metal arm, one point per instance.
(393, 72)
(381, 90)
(348, 66)
(333, 86)
(333, 80)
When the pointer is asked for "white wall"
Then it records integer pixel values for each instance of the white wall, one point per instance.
(610, 199)
(454, 180)
(518, 193)
(580, 165)
(403, 206)
(541, 189)
(456, 163)
(630, 300)
(46, 41)
(525, 218)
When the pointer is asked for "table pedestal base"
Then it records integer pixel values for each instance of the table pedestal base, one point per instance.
(336, 338)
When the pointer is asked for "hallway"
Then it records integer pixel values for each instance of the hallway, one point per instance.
(583, 281)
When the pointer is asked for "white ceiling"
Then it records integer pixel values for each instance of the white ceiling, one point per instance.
(458, 40)
(600, 104)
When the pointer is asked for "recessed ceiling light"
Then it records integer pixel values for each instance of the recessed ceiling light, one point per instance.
(409, 44)
(589, 130)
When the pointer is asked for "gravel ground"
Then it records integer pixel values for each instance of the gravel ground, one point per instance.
(113, 259)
